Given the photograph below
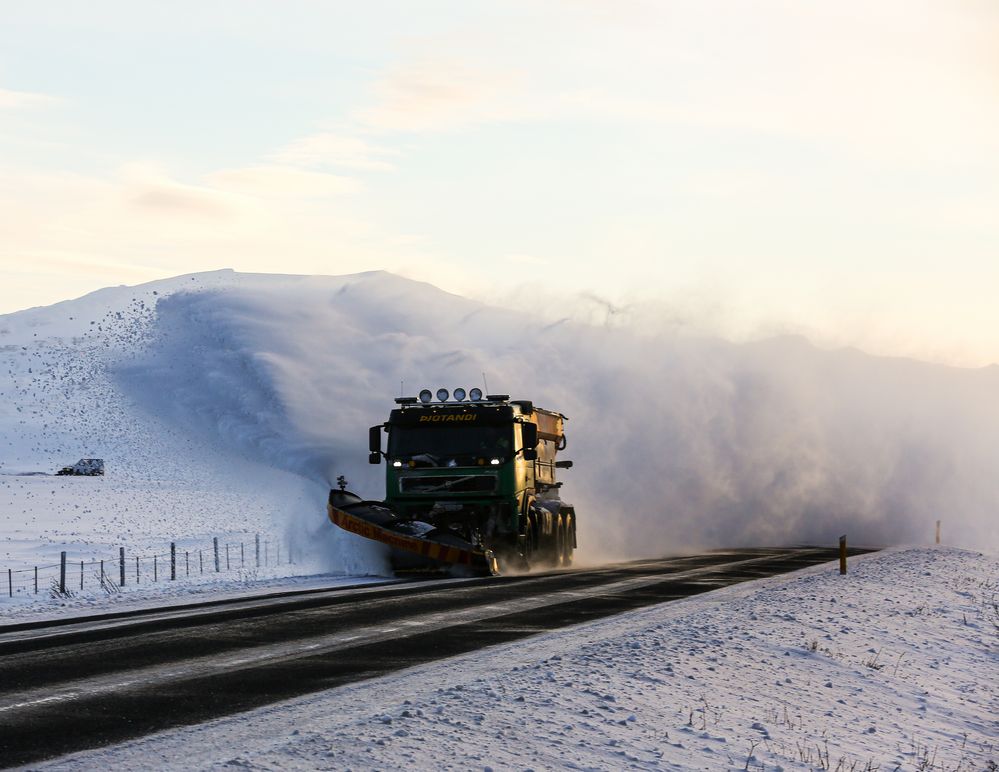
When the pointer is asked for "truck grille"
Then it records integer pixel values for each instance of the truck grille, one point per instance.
(458, 483)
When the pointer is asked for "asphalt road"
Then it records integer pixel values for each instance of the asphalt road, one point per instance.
(73, 685)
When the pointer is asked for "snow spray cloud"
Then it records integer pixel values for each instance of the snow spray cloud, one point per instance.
(679, 442)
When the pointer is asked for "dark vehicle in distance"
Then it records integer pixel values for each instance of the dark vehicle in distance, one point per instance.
(88, 467)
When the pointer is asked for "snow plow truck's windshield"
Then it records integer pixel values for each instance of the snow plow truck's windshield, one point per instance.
(445, 443)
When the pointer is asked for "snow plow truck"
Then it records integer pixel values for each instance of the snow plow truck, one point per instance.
(469, 483)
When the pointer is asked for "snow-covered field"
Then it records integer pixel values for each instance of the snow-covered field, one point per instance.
(891, 667)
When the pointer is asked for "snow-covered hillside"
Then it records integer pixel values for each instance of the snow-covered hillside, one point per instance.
(227, 402)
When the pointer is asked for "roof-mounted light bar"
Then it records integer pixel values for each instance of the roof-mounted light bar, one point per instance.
(459, 394)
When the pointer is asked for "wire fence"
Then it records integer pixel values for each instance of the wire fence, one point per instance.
(112, 574)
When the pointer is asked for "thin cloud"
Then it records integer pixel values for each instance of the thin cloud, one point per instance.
(67, 265)
(327, 149)
(429, 94)
(179, 199)
(525, 259)
(57, 226)
(731, 184)
(913, 86)
(283, 182)
(13, 100)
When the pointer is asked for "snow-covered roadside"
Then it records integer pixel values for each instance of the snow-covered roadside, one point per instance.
(90, 517)
(249, 583)
(890, 667)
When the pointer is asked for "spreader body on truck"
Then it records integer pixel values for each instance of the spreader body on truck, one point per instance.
(468, 482)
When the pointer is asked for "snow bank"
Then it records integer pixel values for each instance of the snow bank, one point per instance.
(889, 667)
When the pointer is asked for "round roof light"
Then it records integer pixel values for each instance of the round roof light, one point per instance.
(459, 394)
(475, 394)
(426, 396)
(442, 395)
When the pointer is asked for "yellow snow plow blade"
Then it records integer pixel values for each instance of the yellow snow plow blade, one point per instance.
(373, 520)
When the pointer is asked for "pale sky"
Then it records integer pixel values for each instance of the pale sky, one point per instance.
(829, 167)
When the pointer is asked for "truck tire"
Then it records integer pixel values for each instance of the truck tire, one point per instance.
(529, 547)
(548, 544)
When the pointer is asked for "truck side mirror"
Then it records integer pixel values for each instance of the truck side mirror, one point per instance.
(530, 454)
(563, 465)
(374, 457)
(530, 434)
(375, 440)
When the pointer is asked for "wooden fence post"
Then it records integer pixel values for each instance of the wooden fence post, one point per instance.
(173, 561)
(215, 546)
(842, 554)
(938, 531)
(121, 561)
(62, 573)
(256, 540)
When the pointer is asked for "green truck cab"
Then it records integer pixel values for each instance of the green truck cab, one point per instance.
(482, 470)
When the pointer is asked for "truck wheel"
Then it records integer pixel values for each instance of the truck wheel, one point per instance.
(545, 547)
(529, 551)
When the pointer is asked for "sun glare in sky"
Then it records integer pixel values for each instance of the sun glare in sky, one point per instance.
(829, 168)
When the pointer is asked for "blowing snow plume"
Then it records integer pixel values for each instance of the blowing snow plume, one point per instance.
(679, 442)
